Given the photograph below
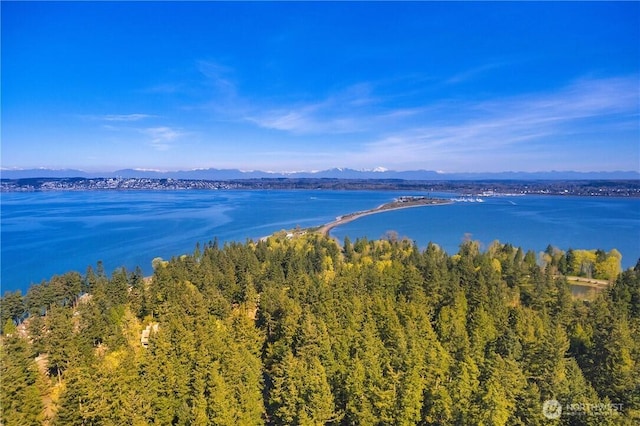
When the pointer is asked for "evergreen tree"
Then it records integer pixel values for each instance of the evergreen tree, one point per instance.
(20, 401)
(298, 331)
(12, 307)
(61, 341)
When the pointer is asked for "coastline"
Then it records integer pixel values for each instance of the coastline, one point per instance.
(395, 205)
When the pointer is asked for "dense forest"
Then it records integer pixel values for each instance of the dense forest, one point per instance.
(307, 331)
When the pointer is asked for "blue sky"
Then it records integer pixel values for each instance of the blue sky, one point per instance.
(450, 86)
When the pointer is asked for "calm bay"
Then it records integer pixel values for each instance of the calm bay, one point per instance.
(47, 233)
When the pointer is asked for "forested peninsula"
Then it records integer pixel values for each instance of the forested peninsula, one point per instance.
(303, 330)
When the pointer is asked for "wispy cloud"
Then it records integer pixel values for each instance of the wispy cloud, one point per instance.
(342, 112)
(473, 73)
(308, 119)
(513, 118)
(405, 124)
(117, 117)
(126, 117)
(161, 138)
(219, 77)
(510, 126)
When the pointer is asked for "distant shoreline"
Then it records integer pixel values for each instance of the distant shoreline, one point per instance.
(591, 188)
(395, 205)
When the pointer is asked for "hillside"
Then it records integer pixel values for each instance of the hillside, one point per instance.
(300, 330)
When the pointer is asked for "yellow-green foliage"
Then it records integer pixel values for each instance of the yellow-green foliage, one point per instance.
(298, 330)
(584, 262)
(609, 268)
(589, 264)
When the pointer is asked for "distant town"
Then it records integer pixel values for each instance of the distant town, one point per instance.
(598, 188)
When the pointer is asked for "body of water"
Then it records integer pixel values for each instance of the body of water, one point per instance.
(47, 233)
(530, 222)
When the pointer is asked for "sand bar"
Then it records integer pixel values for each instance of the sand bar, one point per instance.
(400, 203)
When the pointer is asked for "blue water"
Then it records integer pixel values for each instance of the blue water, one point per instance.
(47, 233)
(530, 222)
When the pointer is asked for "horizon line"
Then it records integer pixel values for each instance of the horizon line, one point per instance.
(381, 170)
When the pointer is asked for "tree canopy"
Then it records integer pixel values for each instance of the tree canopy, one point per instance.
(305, 331)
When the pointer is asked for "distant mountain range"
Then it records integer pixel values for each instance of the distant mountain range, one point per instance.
(336, 173)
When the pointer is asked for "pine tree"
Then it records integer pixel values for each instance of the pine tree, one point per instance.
(61, 341)
(500, 392)
(75, 405)
(12, 307)
(20, 402)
